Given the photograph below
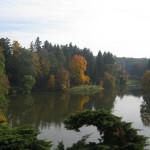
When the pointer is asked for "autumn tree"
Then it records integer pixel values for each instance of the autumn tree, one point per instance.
(4, 87)
(146, 81)
(51, 81)
(109, 81)
(77, 70)
(62, 79)
(4, 83)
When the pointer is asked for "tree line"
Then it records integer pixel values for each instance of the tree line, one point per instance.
(135, 67)
(45, 66)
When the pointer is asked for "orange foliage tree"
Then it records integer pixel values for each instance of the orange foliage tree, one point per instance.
(77, 70)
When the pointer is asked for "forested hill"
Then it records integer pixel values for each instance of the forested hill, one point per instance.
(135, 67)
(46, 66)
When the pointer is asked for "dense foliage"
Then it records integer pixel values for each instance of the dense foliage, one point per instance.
(21, 138)
(115, 134)
(28, 83)
(109, 81)
(135, 67)
(53, 66)
(60, 66)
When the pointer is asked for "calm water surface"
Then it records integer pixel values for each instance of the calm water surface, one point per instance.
(46, 112)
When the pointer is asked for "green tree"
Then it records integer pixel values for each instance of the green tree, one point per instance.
(115, 133)
(26, 64)
(37, 46)
(148, 65)
(90, 69)
(108, 58)
(32, 47)
(28, 83)
(23, 64)
(21, 138)
(99, 67)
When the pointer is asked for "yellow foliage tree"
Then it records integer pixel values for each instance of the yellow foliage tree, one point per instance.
(2, 118)
(77, 70)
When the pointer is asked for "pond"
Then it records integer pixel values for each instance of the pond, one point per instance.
(47, 111)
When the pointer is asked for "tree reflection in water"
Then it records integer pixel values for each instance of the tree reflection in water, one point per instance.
(46, 111)
(145, 110)
(43, 109)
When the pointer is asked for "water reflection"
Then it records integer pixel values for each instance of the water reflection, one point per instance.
(46, 108)
(145, 110)
(47, 111)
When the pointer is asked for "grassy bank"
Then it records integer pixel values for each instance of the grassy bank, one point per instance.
(85, 89)
(133, 82)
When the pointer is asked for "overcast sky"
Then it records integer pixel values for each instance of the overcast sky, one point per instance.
(119, 26)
